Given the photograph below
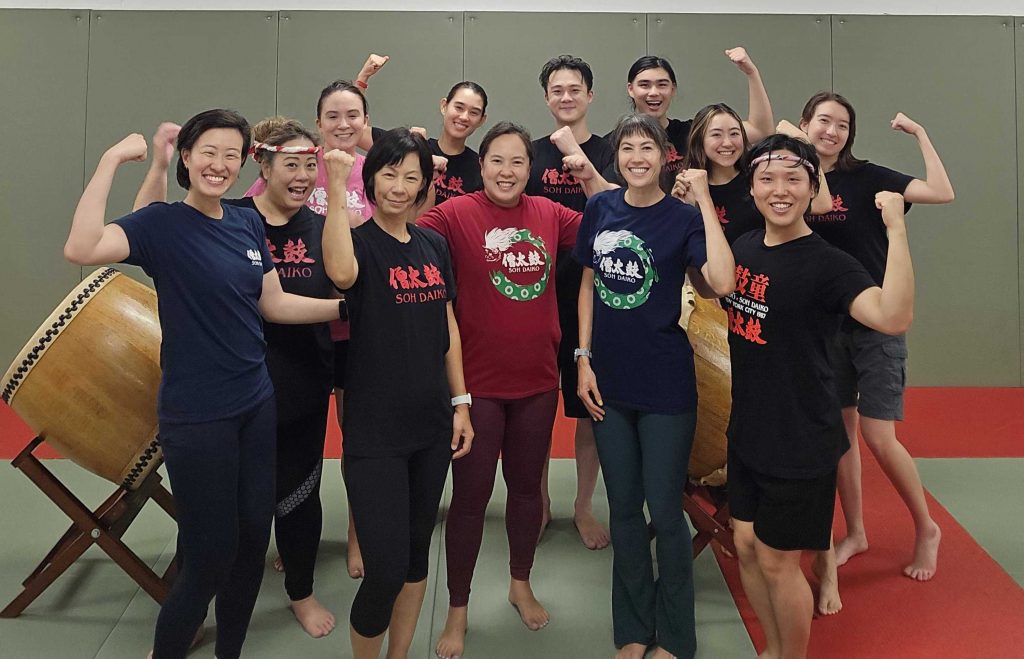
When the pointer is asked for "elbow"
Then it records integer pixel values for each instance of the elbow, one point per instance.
(73, 255)
(899, 324)
(949, 196)
(343, 278)
(725, 289)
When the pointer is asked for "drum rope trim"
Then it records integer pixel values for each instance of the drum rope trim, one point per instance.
(152, 452)
(51, 333)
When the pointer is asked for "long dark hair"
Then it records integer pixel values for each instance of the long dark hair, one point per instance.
(695, 156)
(846, 160)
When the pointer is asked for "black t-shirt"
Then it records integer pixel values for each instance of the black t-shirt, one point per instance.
(462, 175)
(548, 179)
(786, 418)
(396, 388)
(735, 207)
(300, 358)
(678, 135)
(854, 224)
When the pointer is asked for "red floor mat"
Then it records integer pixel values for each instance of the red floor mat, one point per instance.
(971, 608)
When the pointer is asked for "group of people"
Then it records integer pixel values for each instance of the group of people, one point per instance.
(445, 296)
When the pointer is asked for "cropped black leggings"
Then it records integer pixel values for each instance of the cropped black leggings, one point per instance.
(222, 476)
(298, 516)
(393, 502)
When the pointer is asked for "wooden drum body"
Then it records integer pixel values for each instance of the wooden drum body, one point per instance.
(706, 326)
(88, 379)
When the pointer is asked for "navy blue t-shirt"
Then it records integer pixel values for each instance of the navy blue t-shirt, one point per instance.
(209, 277)
(642, 358)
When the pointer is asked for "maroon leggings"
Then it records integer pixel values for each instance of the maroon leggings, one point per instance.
(520, 431)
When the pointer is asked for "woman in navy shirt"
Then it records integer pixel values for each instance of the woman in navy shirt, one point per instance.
(214, 278)
(636, 245)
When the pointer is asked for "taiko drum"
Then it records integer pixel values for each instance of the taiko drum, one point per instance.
(87, 380)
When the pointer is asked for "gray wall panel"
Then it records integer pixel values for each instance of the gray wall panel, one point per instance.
(42, 102)
(956, 78)
(505, 53)
(1019, 47)
(696, 44)
(426, 60)
(148, 67)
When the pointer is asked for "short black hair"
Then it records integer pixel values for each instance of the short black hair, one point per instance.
(341, 86)
(648, 62)
(780, 142)
(569, 62)
(390, 150)
(199, 124)
(507, 128)
(471, 86)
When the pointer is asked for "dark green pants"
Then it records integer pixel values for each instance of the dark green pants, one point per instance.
(644, 458)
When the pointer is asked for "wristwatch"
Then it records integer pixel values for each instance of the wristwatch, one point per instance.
(581, 352)
(464, 399)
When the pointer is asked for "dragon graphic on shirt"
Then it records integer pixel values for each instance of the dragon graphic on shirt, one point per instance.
(517, 252)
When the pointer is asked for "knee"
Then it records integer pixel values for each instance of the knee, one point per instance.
(778, 566)
(743, 540)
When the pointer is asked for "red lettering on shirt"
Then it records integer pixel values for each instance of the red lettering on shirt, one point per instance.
(837, 204)
(758, 286)
(721, 214)
(295, 252)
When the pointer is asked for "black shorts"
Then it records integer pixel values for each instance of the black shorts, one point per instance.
(788, 513)
(871, 371)
(340, 359)
(574, 408)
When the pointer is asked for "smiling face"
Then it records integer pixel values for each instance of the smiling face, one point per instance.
(782, 190)
(463, 114)
(505, 169)
(828, 129)
(652, 92)
(290, 177)
(396, 187)
(567, 96)
(640, 160)
(342, 120)
(723, 141)
(213, 162)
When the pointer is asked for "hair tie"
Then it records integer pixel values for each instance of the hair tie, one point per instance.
(766, 157)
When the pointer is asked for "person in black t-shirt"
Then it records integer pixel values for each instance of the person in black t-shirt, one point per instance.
(400, 432)
(718, 139)
(568, 84)
(651, 86)
(215, 279)
(464, 110)
(786, 431)
(871, 368)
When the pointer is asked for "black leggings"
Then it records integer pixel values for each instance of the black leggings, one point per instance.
(298, 517)
(393, 502)
(222, 476)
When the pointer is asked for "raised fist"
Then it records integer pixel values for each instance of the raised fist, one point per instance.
(695, 185)
(579, 166)
(339, 165)
(741, 59)
(564, 141)
(440, 164)
(891, 205)
(791, 130)
(904, 123)
(163, 142)
(130, 148)
(372, 65)
(419, 130)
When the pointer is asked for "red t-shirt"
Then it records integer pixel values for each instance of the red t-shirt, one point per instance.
(504, 264)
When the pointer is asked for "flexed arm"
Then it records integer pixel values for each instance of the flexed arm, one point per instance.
(759, 122)
(890, 309)
(936, 187)
(90, 242)
(717, 277)
(154, 186)
(339, 255)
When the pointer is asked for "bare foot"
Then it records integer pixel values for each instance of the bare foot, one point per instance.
(850, 546)
(828, 592)
(314, 618)
(355, 557)
(662, 653)
(278, 564)
(631, 651)
(520, 596)
(926, 555)
(593, 535)
(545, 520)
(452, 642)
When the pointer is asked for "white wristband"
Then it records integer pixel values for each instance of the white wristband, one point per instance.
(464, 399)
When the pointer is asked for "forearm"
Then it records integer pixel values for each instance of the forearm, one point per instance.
(453, 359)
(595, 184)
(822, 202)
(585, 308)
(720, 269)
(760, 122)
(154, 186)
(87, 224)
(339, 254)
(896, 302)
(290, 309)
(939, 186)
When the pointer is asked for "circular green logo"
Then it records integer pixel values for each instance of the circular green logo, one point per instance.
(607, 267)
